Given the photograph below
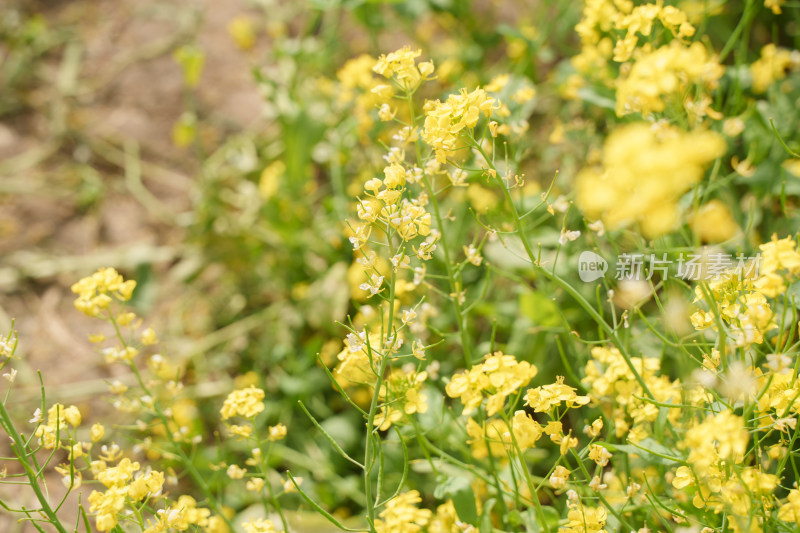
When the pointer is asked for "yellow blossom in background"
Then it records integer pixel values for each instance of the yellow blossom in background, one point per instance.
(640, 21)
(772, 66)
(277, 432)
(358, 89)
(240, 431)
(255, 484)
(445, 520)
(732, 127)
(493, 437)
(481, 199)
(356, 359)
(774, 5)
(718, 437)
(242, 31)
(780, 261)
(97, 432)
(793, 166)
(402, 394)
(644, 171)
(184, 131)
(258, 525)
(246, 403)
(236, 472)
(790, 510)
(402, 66)
(713, 222)
(95, 292)
(192, 60)
(148, 337)
(667, 71)
(270, 179)
(613, 385)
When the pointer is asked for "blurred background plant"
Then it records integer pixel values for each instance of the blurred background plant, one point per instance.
(213, 152)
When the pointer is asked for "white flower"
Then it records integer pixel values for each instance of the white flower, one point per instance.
(401, 260)
(567, 236)
(598, 227)
(458, 178)
(372, 286)
(409, 316)
(473, 255)
(419, 274)
(355, 343)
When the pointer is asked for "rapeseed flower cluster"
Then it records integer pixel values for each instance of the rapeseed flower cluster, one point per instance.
(402, 67)
(499, 376)
(124, 485)
(401, 514)
(667, 70)
(400, 395)
(664, 76)
(59, 421)
(643, 172)
(98, 291)
(542, 399)
(444, 121)
(773, 65)
(780, 262)
(614, 387)
(246, 403)
(738, 305)
(584, 519)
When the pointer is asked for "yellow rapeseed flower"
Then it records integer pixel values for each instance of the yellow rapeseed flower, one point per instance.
(645, 169)
(499, 376)
(246, 403)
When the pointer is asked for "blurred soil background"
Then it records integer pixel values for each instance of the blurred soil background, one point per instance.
(89, 175)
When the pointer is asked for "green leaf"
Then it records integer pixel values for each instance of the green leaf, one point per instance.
(530, 519)
(660, 453)
(486, 518)
(540, 309)
(590, 95)
(460, 491)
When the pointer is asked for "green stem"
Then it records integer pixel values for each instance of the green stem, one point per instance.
(554, 278)
(19, 451)
(272, 499)
(369, 452)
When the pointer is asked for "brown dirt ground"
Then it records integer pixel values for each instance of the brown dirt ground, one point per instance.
(127, 89)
